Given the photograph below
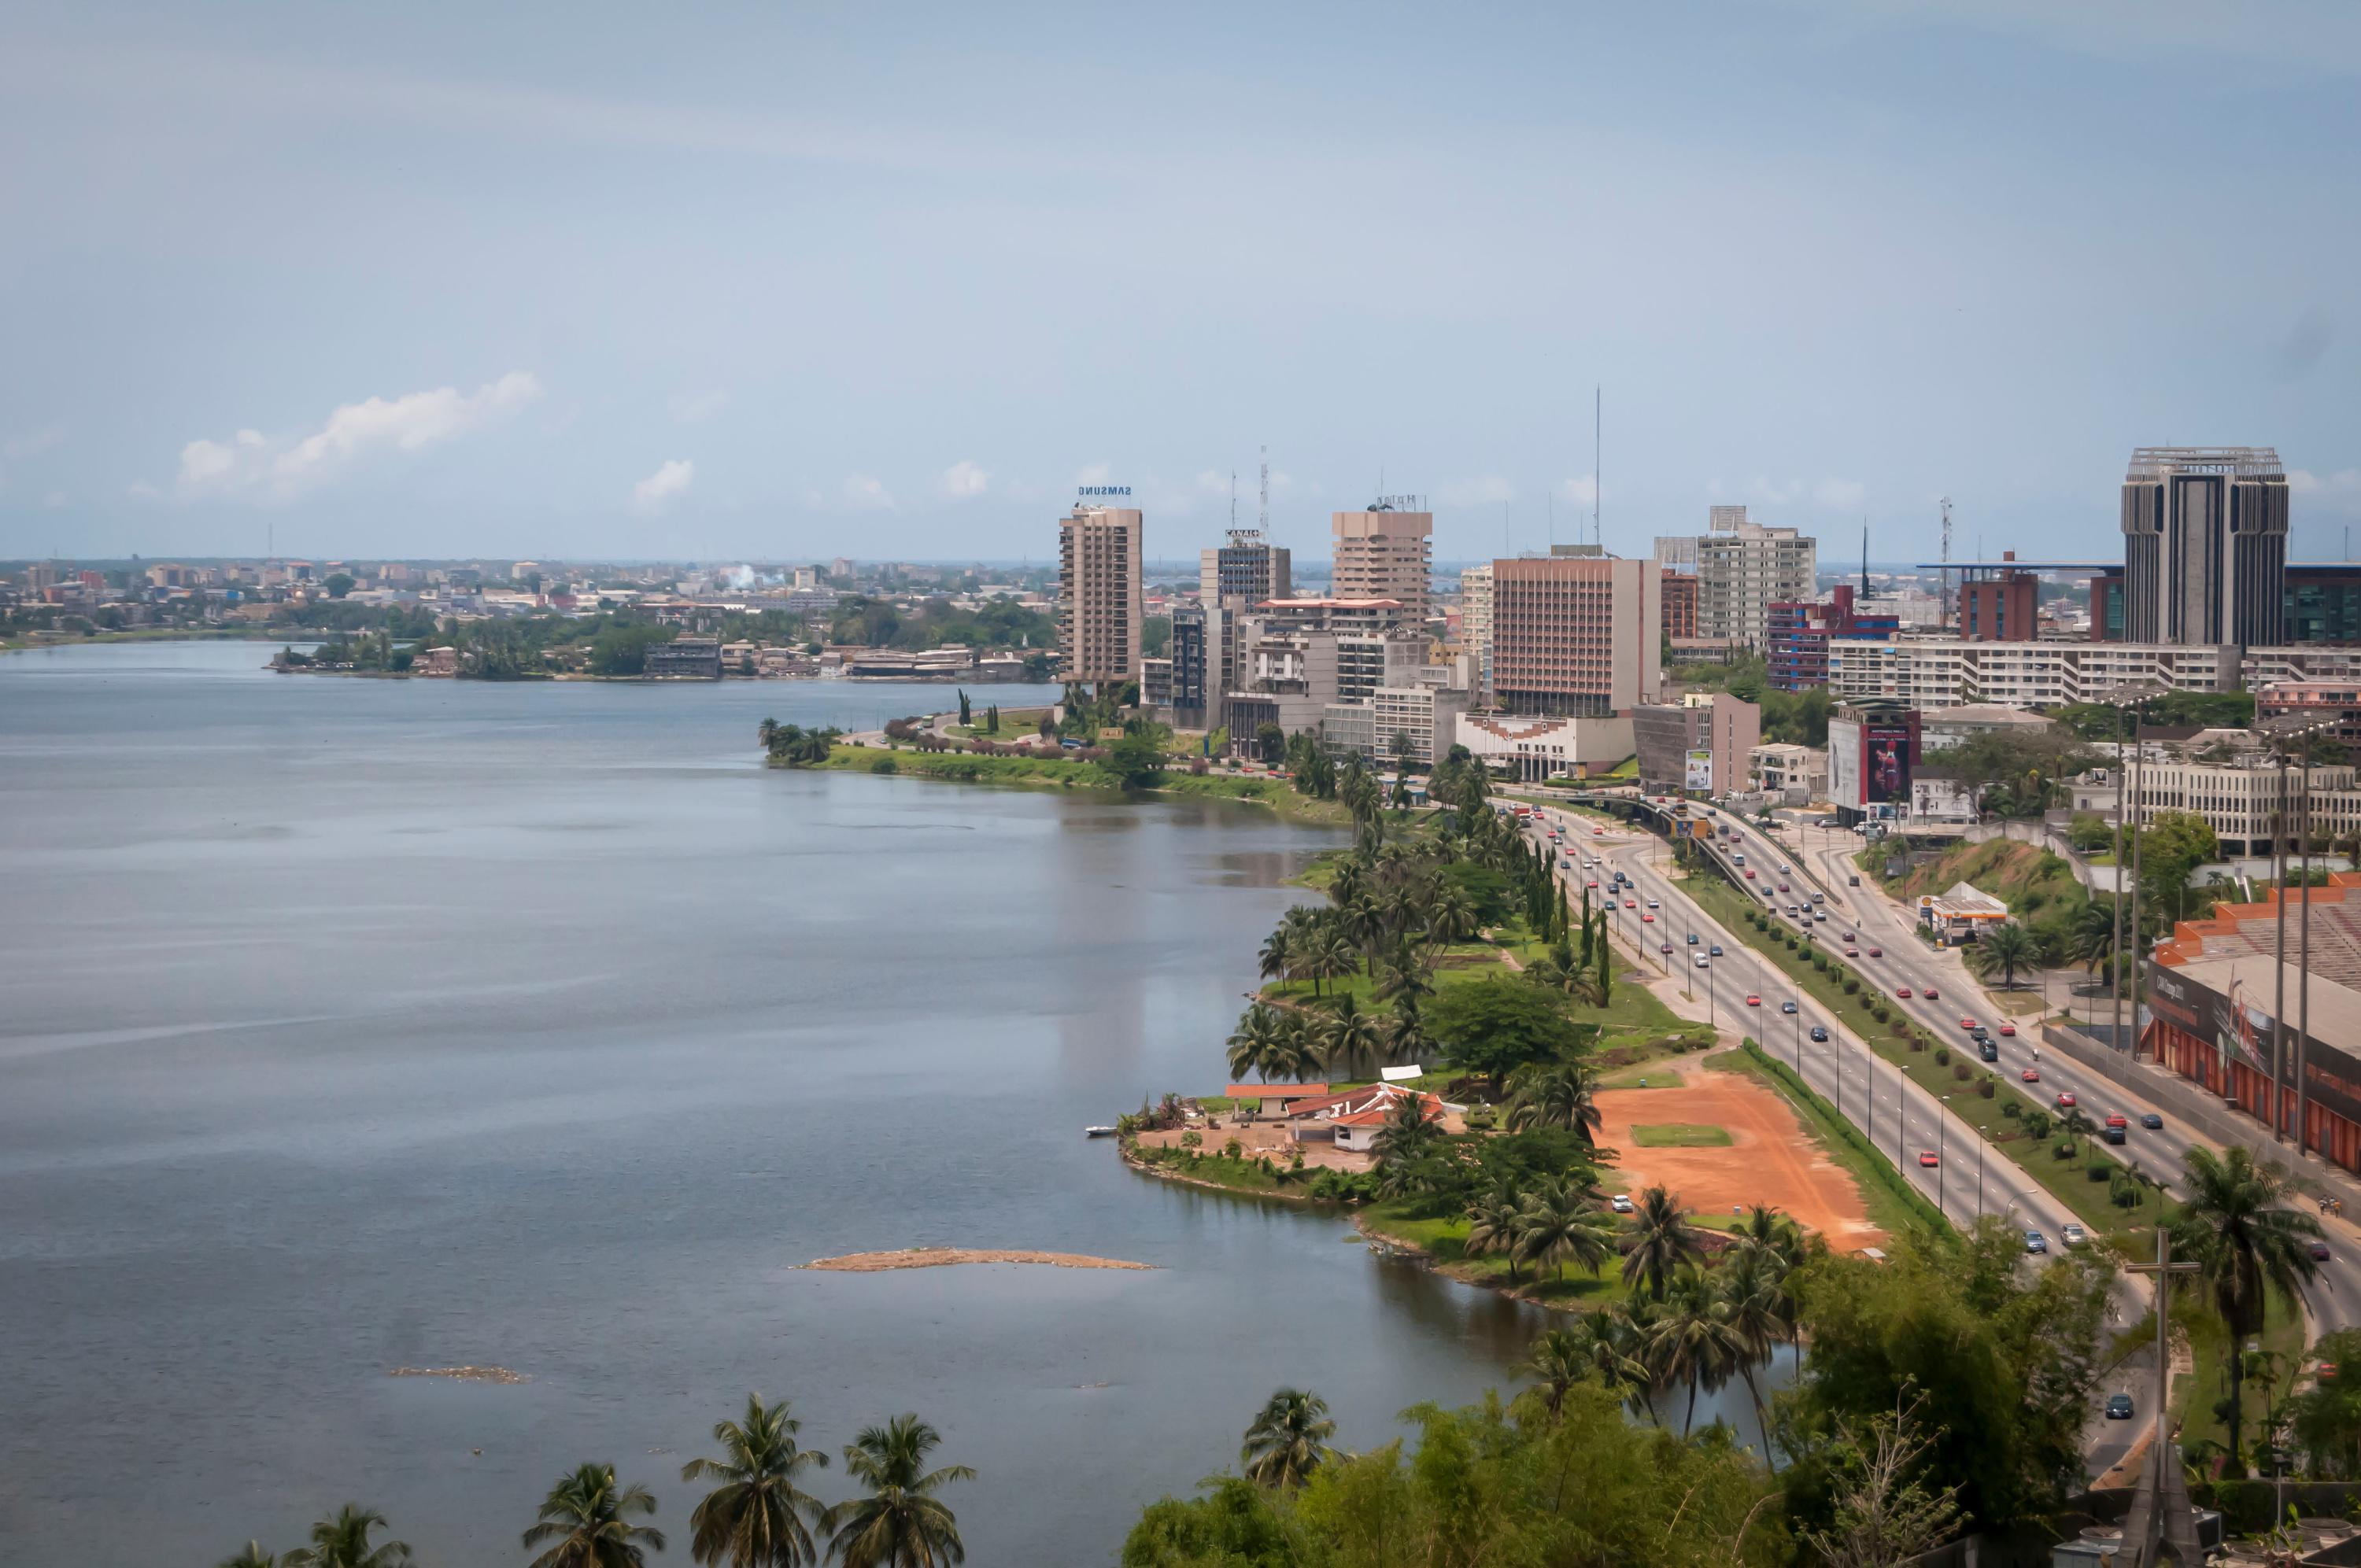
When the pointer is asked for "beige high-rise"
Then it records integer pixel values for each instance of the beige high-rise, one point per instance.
(1385, 555)
(1576, 636)
(1099, 595)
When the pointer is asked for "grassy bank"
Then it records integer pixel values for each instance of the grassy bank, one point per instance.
(1066, 773)
(1445, 1242)
(1997, 1118)
(1894, 1206)
(1217, 1170)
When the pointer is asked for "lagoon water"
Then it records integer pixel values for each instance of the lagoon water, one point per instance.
(350, 1024)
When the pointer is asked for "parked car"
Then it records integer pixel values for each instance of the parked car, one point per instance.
(1621, 1202)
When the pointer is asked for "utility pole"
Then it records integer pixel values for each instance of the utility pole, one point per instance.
(2160, 1517)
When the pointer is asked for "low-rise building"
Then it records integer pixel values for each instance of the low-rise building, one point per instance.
(1703, 744)
(1537, 749)
(1798, 774)
(691, 658)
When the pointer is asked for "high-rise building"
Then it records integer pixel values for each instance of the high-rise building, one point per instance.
(1575, 635)
(1680, 592)
(1386, 553)
(1798, 657)
(2003, 608)
(1099, 595)
(1742, 569)
(1232, 579)
(1475, 624)
(2205, 545)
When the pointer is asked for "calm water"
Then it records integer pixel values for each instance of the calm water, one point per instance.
(354, 1025)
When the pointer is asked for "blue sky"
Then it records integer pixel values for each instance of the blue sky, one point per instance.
(770, 281)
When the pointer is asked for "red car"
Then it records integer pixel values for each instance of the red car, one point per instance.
(1753, 1000)
(1850, 937)
(2031, 1075)
(1932, 994)
(1647, 919)
(1926, 1159)
(1630, 904)
(2118, 1120)
(1877, 953)
(2008, 1028)
(1592, 882)
(2065, 1100)
(1598, 832)
(1750, 873)
(1852, 953)
(1966, 1023)
(1783, 887)
(1903, 991)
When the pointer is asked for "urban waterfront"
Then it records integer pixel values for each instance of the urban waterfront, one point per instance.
(351, 1025)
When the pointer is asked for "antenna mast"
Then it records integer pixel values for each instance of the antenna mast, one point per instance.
(1597, 448)
(1947, 560)
(1265, 520)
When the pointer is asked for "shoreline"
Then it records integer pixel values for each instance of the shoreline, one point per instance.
(959, 767)
(951, 1256)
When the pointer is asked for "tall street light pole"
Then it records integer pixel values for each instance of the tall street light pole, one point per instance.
(1942, 1150)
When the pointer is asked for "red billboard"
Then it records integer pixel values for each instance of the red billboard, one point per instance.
(1886, 769)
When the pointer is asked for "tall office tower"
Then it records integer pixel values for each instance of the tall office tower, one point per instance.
(1742, 569)
(2205, 546)
(1231, 581)
(1386, 553)
(1475, 624)
(1576, 636)
(1099, 595)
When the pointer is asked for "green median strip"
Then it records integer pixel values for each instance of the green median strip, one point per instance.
(1679, 1135)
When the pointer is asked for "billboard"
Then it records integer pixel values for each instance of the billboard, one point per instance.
(1887, 764)
(1700, 771)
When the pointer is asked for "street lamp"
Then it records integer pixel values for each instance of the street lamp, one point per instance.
(2126, 699)
(2299, 729)
(1942, 1146)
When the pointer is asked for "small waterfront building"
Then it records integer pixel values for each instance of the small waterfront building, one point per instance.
(1351, 1118)
(1272, 1099)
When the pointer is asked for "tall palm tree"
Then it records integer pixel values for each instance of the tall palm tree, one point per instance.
(1556, 1096)
(900, 1523)
(343, 1541)
(1406, 1037)
(1289, 1440)
(1752, 1287)
(1559, 1223)
(1661, 1242)
(1451, 917)
(754, 1516)
(2090, 938)
(2076, 1126)
(587, 1519)
(1349, 1036)
(767, 731)
(1260, 1044)
(1560, 1359)
(252, 1557)
(1402, 971)
(1693, 1341)
(2006, 949)
(2248, 1249)
(1405, 1133)
(1346, 883)
(1493, 1223)
(1278, 959)
(1331, 957)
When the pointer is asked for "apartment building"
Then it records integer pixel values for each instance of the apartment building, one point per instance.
(1475, 624)
(1743, 568)
(1428, 715)
(2241, 800)
(1100, 594)
(1680, 595)
(1800, 632)
(1575, 635)
(1703, 743)
(1386, 552)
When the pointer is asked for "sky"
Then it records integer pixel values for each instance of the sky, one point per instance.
(890, 281)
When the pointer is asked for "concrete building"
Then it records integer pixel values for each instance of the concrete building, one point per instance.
(1796, 656)
(1742, 569)
(1233, 579)
(2003, 608)
(1385, 552)
(1679, 593)
(1428, 715)
(1099, 595)
(1537, 749)
(1575, 635)
(1797, 774)
(2205, 545)
(1874, 751)
(1195, 679)
(2338, 702)
(1943, 728)
(1475, 624)
(1704, 744)
(698, 658)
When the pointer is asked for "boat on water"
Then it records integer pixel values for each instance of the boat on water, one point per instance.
(1098, 1131)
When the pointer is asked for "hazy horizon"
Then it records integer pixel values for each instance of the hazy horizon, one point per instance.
(599, 283)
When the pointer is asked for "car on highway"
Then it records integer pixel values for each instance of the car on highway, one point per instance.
(1853, 937)
(1818, 1033)
(1877, 953)
(2071, 1233)
(1903, 992)
(1852, 953)
(1667, 947)
(1621, 1202)
(1786, 1007)
(1646, 919)
(1969, 1024)
(2119, 1408)
(1592, 882)
(1926, 1159)
(1986, 1050)
(1783, 887)
(2065, 1100)
(1704, 962)
(1715, 950)
(1598, 832)
(1693, 938)
(2151, 1121)
(1931, 993)
(2319, 1250)
(1753, 1000)
(2036, 1242)
(2008, 1029)
(2117, 1119)
(1630, 904)
(2031, 1075)
(1750, 873)
(1653, 905)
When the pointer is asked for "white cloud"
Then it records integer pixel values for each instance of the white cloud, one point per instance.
(1762, 489)
(1490, 491)
(863, 492)
(2339, 492)
(1842, 494)
(1582, 492)
(670, 481)
(962, 480)
(25, 443)
(278, 469)
(1093, 473)
(694, 407)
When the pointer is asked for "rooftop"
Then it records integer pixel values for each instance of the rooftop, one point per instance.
(2245, 462)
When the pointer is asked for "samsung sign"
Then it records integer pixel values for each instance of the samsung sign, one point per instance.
(1099, 492)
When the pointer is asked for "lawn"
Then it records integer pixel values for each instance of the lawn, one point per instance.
(1445, 1240)
(1679, 1135)
(2066, 1181)
(2208, 1381)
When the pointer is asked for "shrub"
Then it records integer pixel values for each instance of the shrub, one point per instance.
(1916, 1042)
(2100, 1169)
(1962, 1072)
(2065, 1150)
(1192, 1140)
(885, 765)
(1943, 1056)
(1986, 1087)
(2012, 1110)
(1851, 982)
(1231, 1150)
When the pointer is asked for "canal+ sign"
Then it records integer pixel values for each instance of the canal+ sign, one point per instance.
(1102, 492)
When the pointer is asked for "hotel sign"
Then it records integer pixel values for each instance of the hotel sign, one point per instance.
(1102, 492)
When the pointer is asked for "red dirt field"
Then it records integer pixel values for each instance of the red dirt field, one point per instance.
(1770, 1158)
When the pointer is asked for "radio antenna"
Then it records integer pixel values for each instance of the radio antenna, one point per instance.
(1597, 460)
(1265, 492)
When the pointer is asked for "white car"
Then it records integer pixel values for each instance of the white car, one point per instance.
(2071, 1233)
(1621, 1203)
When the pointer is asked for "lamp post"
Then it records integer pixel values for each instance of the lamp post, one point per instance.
(2298, 730)
(1942, 1149)
(2125, 700)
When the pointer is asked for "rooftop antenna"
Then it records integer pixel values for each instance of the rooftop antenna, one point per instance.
(1265, 492)
(1864, 560)
(1504, 528)
(1234, 501)
(1945, 589)
(1552, 499)
(1597, 448)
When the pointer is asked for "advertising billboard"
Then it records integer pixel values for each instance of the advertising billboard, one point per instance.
(1700, 771)
(1887, 765)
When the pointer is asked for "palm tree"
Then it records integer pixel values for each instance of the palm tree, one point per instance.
(1405, 1133)
(1348, 1036)
(754, 1516)
(1402, 972)
(1277, 960)
(767, 731)
(1559, 1221)
(1661, 1242)
(343, 1541)
(2247, 1247)
(2076, 1126)
(1692, 1340)
(1752, 1286)
(1452, 916)
(587, 1515)
(1560, 1359)
(1330, 956)
(1492, 1227)
(1406, 1039)
(1558, 1096)
(2090, 938)
(252, 1557)
(1346, 884)
(2007, 948)
(1289, 1440)
(900, 1523)
(1260, 1044)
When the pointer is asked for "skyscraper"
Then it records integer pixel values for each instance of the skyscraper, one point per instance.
(1742, 569)
(1475, 623)
(2205, 546)
(1232, 579)
(1099, 595)
(1386, 553)
(1576, 636)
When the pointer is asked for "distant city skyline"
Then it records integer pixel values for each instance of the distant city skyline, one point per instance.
(632, 287)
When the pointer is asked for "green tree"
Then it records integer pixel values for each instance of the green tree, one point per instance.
(338, 585)
(343, 1541)
(2249, 1249)
(756, 1516)
(1885, 1511)
(1138, 760)
(1557, 1095)
(900, 1523)
(1691, 1339)
(1559, 1223)
(1267, 1044)
(1497, 1026)
(966, 715)
(1492, 1222)
(586, 1520)
(2171, 847)
(2004, 950)
(1560, 1359)
(1662, 1242)
(1287, 1440)
(252, 1557)
(1350, 1037)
